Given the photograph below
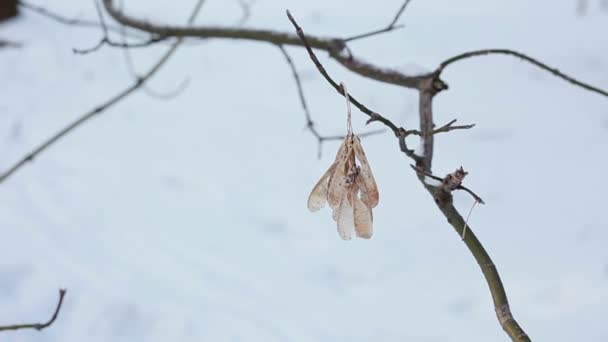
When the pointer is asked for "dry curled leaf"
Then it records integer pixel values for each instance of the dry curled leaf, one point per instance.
(350, 190)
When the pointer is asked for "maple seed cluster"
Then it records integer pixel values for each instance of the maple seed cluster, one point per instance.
(349, 189)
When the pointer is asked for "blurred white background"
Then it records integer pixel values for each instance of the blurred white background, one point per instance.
(186, 220)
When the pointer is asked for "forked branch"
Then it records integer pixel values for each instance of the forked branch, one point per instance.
(531, 60)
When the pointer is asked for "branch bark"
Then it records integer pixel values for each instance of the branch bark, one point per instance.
(39, 326)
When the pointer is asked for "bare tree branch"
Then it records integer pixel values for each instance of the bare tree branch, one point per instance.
(246, 9)
(39, 326)
(391, 27)
(145, 87)
(9, 44)
(374, 116)
(66, 21)
(439, 179)
(430, 86)
(310, 125)
(334, 46)
(526, 58)
(105, 38)
(99, 109)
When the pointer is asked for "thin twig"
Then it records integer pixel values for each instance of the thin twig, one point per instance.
(374, 116)
(450, 127)
(526, 58)
(310, 125)
(67, 21)
(107, 41)
(105, 38)
(391, 27)
(373, 33)
(146, 88)
(246, 9)
(399, 12)
(9, 44)
(39, 326)
(99, 109)
(460, 187)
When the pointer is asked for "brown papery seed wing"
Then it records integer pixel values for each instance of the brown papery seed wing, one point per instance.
(318, 195)
(363, 217)
(370, 188)
(346, 221)
(338, 184)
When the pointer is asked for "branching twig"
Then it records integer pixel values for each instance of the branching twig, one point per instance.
(39, 326)
(67, 21)
(526, 58)
(99, 109)
(439, 179)
(374, 116)
(310, 125)
(145, 87)
(105, 38)
(391, 27)
(429, 87)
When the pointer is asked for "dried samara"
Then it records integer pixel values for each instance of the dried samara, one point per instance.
(349, 189)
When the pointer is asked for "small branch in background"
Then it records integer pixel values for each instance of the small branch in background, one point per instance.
(374, 116)
(391, 27)
(9, 44)
(246, 9)
(443, 129)
(526, 58)
(105, 38)
(450, 127)
(450, 182)
(106, 41)
(145, 87)
(310, 125)
(100, 108)
(67, 21)
(39, 326)
(581, 6)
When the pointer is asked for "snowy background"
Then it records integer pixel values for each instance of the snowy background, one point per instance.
(186, 220)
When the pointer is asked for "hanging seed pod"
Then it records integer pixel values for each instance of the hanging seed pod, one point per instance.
(349, 187)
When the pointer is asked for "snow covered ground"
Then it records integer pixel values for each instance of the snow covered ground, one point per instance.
(186, 220)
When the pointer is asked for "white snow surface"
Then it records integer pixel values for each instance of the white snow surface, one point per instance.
(186, 220)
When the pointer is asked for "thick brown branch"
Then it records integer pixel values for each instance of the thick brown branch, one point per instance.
(526, 58)
(499, 296)
(444, 201)
(334, 46)
(39, 326)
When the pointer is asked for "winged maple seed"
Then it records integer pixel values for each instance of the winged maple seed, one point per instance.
(350, 190)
